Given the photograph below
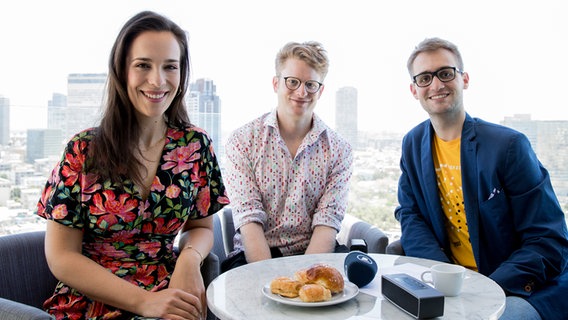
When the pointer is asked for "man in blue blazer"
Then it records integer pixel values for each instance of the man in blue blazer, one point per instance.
(474, 193)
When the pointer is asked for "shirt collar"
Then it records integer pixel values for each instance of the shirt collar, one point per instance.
(317, 130)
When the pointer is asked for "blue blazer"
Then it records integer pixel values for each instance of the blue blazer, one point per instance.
(516, 225)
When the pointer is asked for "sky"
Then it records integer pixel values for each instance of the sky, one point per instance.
(514, 51)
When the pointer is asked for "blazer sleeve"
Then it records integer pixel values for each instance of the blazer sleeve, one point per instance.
(534, 228)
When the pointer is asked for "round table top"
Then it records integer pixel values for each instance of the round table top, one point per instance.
(238, 293)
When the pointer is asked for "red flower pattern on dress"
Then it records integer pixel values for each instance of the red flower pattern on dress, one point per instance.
(172, 191)
(125, 236)
(179, 159)
(59, 212)
(145, 274)
(48, 192)
(150, 248)
(175, 135)
(89, 185)
(110, 209)
(74, 163)
(54, 178)
(168, 225)
(66, 304)
(198, 177)
(111, 251)
(157, 185)
(143, 209)
(203, 201)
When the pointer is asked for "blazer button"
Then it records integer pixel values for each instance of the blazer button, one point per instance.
(529, 286)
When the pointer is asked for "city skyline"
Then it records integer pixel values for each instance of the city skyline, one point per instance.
(234, 44)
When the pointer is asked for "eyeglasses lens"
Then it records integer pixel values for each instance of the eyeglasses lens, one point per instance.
(311, 86)
(423, 80)
(292, 83)
(444, 74)
(447, 74)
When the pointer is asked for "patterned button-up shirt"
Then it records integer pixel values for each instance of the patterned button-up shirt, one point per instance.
(287, 196)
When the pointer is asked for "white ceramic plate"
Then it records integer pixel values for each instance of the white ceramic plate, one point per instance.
(350, 290)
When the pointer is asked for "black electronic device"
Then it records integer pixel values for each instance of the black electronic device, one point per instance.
(358, 245)
(360, 268)
(412, 295)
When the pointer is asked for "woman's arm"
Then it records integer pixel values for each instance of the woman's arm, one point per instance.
(196, 241)
(63, 247)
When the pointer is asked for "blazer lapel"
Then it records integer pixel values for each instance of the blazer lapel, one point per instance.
(431, 187)
(470, 182)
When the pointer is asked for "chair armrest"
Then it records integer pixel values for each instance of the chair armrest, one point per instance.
(395, 247)
(218, 240)
(211, 268)
(18, 311)
(376, 239)
(228, 228)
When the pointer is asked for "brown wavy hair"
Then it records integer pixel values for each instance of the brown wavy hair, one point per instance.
(114, 149)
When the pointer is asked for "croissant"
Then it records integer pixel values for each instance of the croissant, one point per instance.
(322, 274)
(285, 287)
(314, 293)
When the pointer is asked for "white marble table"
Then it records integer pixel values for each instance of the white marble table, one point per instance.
(237, 294)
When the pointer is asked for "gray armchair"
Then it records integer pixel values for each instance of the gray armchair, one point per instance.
(25, 277)
(26, 281)
(395, 247)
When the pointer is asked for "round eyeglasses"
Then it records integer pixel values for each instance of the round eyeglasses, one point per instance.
(292, 83)
(445, 74)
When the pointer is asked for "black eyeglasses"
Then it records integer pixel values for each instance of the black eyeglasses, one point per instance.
(292, 83)
(445, 74)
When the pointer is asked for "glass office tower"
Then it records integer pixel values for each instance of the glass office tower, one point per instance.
(204, 108)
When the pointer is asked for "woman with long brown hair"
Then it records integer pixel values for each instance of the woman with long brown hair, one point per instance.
(125, 189)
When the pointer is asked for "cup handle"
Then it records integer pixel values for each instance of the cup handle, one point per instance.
(422, 276)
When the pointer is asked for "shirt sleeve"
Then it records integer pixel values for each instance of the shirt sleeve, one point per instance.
(60, 199)
(211, 193)
(332, 206)
(243, 190)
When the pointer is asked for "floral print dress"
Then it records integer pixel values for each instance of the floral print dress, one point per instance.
(132, 238)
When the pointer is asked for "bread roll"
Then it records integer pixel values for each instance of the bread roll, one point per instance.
(285, 287)
(322, 274)
(314, 293)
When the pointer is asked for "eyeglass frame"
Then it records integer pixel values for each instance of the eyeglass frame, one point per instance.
(320, 85)
(435, 74)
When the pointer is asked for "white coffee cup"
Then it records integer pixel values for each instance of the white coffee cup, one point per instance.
(446, 278)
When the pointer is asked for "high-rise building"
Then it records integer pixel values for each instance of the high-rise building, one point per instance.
(549, 139)
(204, 108)
(4, 121)
(346, 114)
(5, 187)
(85, 93)
(56, 111)
(43, 143)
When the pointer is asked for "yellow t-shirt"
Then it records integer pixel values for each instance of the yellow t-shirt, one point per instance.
(446, 156)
